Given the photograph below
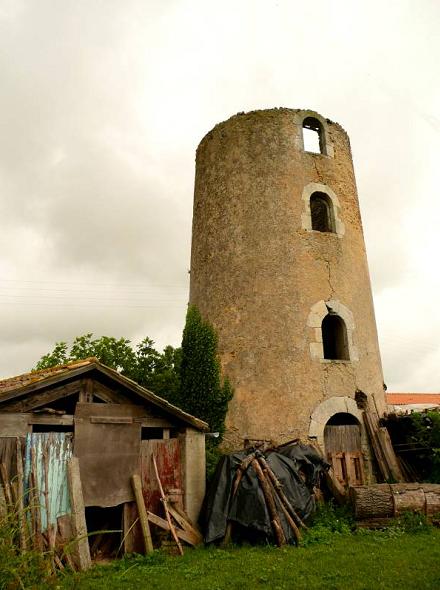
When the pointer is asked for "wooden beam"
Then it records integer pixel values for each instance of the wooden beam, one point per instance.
(111, 420)
(155, 423)
(86, 391)
(50, 420)
(42, 398)
(163, 524)
(79, 525)
(109, 395)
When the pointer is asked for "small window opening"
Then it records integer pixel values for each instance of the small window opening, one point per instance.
(334, 338)
(148, 433)
(52, 428)
(343, 419)
(312, 136)
(321, 211)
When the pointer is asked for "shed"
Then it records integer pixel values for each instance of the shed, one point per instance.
(114, 427)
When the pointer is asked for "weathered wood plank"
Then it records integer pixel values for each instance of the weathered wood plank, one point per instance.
(79, 525)
(50, 420)
(12, 425)
(137, 488)
(163, 524)
(111, 420)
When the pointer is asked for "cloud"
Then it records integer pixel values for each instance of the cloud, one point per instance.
(103, 106)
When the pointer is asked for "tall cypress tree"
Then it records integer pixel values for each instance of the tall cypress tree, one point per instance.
(203, 393)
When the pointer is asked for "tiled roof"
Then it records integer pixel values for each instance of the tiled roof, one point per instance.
(12, 383)
(401, 399)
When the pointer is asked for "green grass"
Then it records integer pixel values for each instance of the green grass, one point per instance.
(366, 560)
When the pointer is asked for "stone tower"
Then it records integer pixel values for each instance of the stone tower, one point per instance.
(278, 265)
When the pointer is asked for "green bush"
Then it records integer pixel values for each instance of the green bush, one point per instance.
(203, 393)
(20, 570)
(329, 520)
(422, 429)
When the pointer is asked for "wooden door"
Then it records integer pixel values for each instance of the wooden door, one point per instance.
(169, 464)
(343, 448)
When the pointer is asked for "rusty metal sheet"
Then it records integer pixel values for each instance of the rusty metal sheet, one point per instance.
(108, 451)
(12, 424)
(53, 450)
(169, 465)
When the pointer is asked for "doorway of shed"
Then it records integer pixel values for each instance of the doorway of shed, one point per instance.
(104, 528)
(342, 441)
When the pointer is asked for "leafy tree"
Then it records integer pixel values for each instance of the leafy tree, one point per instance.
(203, 393)
(156, 371)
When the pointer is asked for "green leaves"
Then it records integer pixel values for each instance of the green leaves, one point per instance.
(156, 371)
(188, 377)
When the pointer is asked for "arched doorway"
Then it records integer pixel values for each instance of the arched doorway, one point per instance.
(342, 441)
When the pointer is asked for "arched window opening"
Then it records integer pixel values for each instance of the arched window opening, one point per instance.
(334, 338)
(343, 419)
(321, 210)
(313, 136)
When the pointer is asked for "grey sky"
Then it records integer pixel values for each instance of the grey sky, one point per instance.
(103, 105)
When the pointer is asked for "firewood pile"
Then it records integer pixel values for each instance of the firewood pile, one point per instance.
(263, 495)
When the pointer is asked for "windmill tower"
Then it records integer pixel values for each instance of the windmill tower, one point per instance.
(279, 267)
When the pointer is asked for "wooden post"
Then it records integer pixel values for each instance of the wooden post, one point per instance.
(6, 485)
(20, 494)
(36, 508)
(78, 514)
(137, 489)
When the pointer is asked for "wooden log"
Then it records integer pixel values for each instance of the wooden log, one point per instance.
(165, 505)
(137, 489)
(270, 503)
(284, 510)
(79, 526)
(280, 492)
(388, 500)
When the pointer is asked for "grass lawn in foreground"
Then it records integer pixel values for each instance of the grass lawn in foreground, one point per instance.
(370, 560)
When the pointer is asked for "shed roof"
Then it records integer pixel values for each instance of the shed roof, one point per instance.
(22, 385)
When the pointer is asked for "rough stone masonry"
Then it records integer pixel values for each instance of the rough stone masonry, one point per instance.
(267, 280)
